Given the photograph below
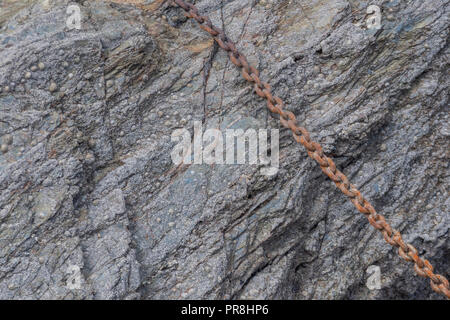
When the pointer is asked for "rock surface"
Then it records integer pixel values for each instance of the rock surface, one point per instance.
(92, 207)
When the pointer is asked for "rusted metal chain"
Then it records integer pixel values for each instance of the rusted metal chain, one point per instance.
(422, 266)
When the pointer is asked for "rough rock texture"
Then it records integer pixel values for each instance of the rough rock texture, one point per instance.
(86, 177)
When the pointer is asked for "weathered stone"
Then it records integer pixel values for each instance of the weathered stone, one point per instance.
(94, 187)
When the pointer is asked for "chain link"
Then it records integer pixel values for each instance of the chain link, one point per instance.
(422, 266)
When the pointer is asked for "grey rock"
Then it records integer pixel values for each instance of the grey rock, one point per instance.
(91, 205)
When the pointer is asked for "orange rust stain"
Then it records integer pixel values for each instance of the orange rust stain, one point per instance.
(152, 7)
(200, 46)
(126, 1)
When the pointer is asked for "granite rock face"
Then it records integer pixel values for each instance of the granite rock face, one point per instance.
(92, 206)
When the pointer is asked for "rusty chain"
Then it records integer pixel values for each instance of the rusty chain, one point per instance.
(422, 266)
